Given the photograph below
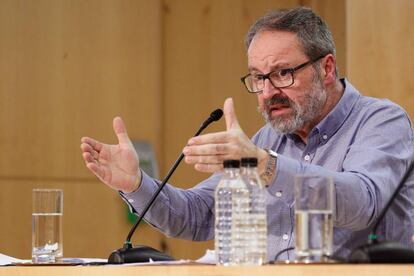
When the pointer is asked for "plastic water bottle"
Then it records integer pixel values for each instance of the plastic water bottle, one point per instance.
(256, 235)
(241, 225)
(223, 212)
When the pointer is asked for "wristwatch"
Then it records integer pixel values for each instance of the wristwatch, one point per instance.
(269, 172)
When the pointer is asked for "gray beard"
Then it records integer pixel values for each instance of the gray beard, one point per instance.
(310, 108)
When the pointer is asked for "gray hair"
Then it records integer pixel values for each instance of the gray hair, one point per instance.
(312, 32)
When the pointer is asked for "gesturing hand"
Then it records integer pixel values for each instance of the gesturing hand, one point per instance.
(115, 165)
(207, 152)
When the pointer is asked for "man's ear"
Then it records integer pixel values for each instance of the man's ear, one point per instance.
(328, 69)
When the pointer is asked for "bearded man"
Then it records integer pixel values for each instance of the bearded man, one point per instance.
(316, 124)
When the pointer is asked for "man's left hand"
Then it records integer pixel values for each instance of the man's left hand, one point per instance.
(207, 152)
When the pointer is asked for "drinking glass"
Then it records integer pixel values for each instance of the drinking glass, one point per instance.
(47, 242)
(314, 203)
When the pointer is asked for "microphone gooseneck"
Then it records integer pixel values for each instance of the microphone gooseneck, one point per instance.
(384, 251)
(373, 235)
(130, 254)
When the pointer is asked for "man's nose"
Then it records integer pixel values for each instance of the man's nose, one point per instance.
(269, 90)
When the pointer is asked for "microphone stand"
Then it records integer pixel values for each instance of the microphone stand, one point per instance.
(384, 251)
(130, 254)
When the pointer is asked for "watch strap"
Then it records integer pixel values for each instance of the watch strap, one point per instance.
(270, 168)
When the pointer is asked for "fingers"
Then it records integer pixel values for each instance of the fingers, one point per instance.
(120, 131)
(209, 168)
(93, 165)
(209, 149)
(208, 159)
(87, 156)
(87, 148)
(230, 115)
(211, 138)
(96, 170)
(92, 143)
(90, 160)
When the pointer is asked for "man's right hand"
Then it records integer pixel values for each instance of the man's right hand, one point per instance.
(115, 165)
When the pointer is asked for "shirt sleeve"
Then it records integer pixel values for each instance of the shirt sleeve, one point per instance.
(187, 214)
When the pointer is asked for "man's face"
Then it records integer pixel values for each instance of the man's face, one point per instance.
(293, 108)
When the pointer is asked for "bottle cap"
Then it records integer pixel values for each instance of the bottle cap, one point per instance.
(249, 162)
(231, 163)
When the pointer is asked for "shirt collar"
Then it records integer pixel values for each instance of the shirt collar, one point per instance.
(334, 120)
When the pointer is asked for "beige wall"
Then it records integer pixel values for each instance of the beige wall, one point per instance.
(380, 49)
(68, 67)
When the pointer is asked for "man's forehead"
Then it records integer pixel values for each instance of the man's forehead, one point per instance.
(273, 47)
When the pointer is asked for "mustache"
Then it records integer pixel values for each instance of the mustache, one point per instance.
(278, 100)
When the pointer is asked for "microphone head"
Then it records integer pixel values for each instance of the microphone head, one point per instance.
(216, 114)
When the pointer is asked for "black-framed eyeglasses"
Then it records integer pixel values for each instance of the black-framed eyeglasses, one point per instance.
(279, 79)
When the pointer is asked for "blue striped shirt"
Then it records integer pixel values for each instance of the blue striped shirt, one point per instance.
(364, 144)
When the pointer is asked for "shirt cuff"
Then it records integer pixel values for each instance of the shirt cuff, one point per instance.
(139, 198)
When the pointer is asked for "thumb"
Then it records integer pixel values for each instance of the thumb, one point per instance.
(230, 115)
(120, 131)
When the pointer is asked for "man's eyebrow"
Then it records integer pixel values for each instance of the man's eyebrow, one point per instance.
(253, 70)
(276, 67)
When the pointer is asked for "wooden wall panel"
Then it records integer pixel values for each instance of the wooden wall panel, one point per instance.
(380, 44)
(67, 68)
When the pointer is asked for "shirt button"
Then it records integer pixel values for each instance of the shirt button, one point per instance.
(279, 194)
(130, 200)
(324, 137)
(285, 237)
(307, 157)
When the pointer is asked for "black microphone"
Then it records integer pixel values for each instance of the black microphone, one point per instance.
(130, 254)
(384, 251)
